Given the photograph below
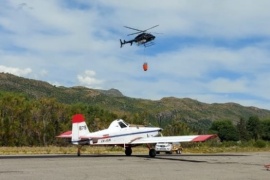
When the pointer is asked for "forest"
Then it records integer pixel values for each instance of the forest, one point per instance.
(37, 122)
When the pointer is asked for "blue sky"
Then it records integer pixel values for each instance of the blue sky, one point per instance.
(211, 51)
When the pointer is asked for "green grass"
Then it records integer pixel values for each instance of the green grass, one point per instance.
(187, 148)
(65, 150)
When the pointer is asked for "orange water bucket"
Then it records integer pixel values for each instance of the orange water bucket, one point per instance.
(145, 66)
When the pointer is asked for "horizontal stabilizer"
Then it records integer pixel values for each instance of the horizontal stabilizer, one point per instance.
(67, 134)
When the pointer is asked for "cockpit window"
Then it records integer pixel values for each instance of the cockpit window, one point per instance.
(125, 122)
(122, 125)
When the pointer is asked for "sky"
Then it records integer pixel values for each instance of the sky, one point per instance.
(211, 51)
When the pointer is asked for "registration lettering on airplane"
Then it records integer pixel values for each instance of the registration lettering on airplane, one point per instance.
(82, 128)
(105, 140)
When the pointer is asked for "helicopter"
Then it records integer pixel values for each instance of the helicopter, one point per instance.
(145, 39)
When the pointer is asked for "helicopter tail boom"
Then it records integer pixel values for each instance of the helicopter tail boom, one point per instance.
(122, 43)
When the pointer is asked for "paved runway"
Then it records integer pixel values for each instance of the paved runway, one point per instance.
(120, 167)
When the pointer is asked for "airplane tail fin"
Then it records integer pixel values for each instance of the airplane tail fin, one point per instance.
(79, 128)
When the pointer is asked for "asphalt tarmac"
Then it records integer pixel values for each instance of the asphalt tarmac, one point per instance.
(136, 167)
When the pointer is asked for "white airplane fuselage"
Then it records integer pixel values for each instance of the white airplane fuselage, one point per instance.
(118, 133)
(123, 136)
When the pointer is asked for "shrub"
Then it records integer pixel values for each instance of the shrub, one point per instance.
(260, 144)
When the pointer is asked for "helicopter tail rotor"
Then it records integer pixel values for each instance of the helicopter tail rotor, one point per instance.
(122, 43)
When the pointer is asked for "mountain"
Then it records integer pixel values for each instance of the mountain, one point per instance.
(167, 108)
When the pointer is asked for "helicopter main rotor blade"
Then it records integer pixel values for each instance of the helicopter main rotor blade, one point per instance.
(139, 31)
(151, 28)
(133, 28)
(135, 33)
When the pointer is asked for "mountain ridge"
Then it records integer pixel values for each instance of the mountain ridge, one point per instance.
(186, 109)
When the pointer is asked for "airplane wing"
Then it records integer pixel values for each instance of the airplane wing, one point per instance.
(190, 138)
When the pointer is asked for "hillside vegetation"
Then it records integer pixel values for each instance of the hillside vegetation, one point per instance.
(33, 112)
(167, 108)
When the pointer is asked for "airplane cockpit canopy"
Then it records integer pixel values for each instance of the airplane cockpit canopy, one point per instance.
(119, 123)
(122, 124)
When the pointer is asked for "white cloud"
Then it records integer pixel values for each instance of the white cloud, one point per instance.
(223, 85)
(209, 50)
(88, 79)
(210, 18)
(43, 72)
(15, 71)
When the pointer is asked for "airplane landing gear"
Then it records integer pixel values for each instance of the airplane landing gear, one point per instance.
(79, 151)
(128, 151)
(152, 153)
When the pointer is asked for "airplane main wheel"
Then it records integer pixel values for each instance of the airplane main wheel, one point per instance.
(152, 153)
(128, 151)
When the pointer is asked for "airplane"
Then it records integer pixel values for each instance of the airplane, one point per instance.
(119, 133)
(142, 39)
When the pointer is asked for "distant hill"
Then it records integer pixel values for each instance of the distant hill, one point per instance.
(167, 108)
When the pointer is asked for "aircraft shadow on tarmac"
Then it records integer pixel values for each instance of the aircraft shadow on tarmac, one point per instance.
(181, 157)
(160, 157)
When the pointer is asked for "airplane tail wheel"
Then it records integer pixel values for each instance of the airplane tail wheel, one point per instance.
(152, 153)
(128, 151)
(79, 152)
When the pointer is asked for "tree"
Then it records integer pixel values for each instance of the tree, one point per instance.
(265, 129)
(242, 130)
(225, 129)
(253, 127)
(177, 128)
